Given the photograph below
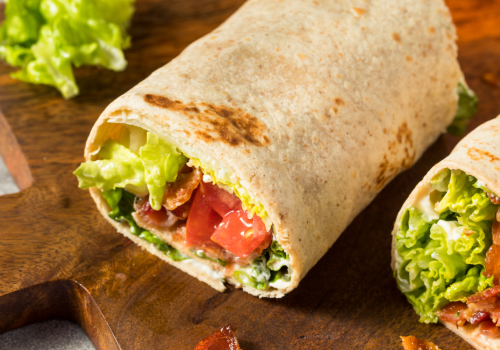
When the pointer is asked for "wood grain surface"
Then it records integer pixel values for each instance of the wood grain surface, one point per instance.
(60, 259)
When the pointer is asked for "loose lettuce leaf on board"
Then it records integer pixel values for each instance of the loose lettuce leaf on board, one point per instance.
(46, 38)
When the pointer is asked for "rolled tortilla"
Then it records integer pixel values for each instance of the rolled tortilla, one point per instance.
(477, 155)
(308, 107)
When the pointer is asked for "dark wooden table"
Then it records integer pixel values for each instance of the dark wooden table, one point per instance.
(60, 259)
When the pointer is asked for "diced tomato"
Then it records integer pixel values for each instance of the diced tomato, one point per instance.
(219, 199)
(479, 316)
(241, 235)
(489, 329)
(451, 312)
(201, 223)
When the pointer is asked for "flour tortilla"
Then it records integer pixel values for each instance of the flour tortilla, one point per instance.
(313, 106)
(478, 155)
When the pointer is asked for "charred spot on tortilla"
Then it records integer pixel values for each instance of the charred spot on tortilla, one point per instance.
(165, 102)
(339, 102)
(396, 38)
(228, 125)
(481, 154)
(404, 134)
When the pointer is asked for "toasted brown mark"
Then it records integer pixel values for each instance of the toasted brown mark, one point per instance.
(225, 124)
(359, 11)
(339, 102)
(479, 154)
(387, 170)
(164, 102)
(396, 37)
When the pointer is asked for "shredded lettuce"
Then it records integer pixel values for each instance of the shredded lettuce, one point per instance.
(201, 254)
(433, 268)
(271, 266)
(467, 108)
(47, 37)
(157, 163)
(122, 207)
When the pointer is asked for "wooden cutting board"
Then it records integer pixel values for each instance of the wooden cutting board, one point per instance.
(60, 259)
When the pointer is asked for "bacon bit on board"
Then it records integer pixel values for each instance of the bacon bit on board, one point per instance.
(413, 343)
(221, 339)
(179, 192)
(491, 79)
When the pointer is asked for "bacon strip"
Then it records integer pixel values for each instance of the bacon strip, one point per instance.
(179, 192)
(149, 217)
(221, 339)
(413, 343)
(494, 199)
(484, 295)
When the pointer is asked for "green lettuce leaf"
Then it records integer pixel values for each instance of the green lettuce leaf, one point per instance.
(162, 162)
(271, 266)
(433, 269)
(118, 167)
(467, 108)
(122, 206)
(46, 38)
(157, 163)
(201, 254)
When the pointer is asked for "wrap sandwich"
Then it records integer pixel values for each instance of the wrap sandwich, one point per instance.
(446, 241)
(243, 159)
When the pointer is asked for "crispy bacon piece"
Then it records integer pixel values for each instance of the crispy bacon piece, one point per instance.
(182, 211)
(489, 329)
(157, 218)
(453, 312)
(221, 339)
(484, 295)
(479, 316)
(494, 199)
(413, 343)
(492, 261)
(180, 191)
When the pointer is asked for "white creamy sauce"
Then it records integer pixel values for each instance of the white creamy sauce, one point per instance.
(424, 205)
(481, 184)
(207, 178)
(280, 284)
(453, 231)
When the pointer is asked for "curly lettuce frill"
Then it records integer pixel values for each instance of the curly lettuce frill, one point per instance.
(433, 268)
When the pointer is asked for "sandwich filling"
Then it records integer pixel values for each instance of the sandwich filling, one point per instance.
(448, 253)
(184, 210)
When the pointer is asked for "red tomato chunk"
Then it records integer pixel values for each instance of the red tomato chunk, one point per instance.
(202, 222)
(217, 219)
